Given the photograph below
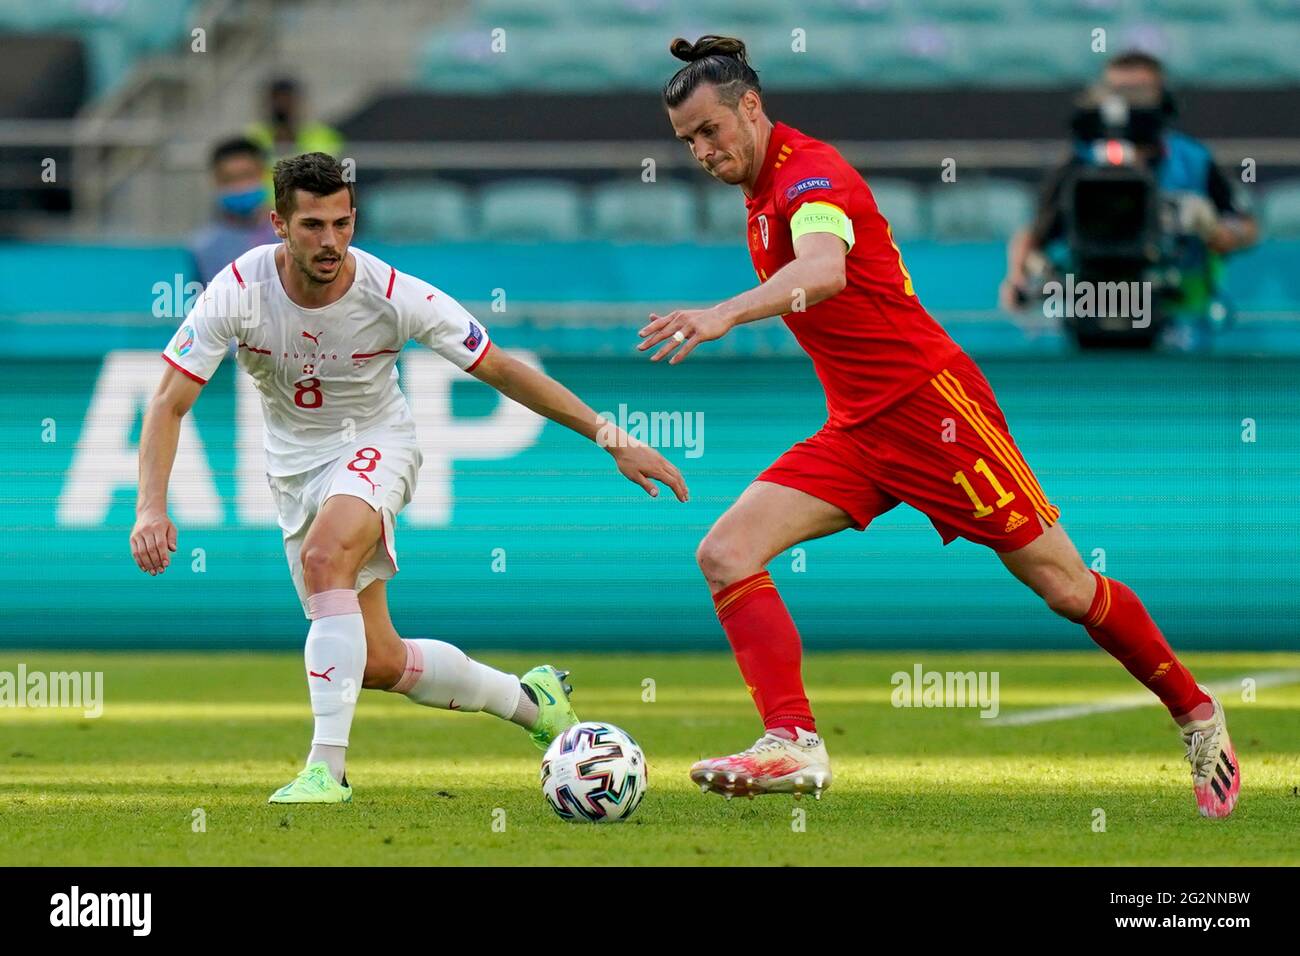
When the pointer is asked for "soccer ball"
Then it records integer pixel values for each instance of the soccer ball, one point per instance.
(594, 773)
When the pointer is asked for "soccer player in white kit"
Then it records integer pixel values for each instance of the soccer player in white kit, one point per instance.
(319, 326)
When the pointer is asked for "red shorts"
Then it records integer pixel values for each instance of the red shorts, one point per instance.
(944, 450)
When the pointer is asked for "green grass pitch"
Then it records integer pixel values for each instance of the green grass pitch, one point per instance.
(216, 733)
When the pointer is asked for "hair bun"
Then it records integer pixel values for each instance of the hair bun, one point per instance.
(709, 45)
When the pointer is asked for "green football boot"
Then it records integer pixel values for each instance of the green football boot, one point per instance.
(554, 712)
(314, 784)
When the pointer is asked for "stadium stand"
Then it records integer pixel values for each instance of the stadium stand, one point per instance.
(114, 34)
(426, 211)
(458, 143)
(532, 210)
(929, 43)
(624, 212)
(983, 209)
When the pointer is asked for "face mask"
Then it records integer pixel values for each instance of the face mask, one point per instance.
(242, 202)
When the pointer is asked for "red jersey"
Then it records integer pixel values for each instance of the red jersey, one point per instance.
(873, 342)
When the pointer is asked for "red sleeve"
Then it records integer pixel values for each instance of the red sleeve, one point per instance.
(805, 178)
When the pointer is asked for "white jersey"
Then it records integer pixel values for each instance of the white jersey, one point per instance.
(318, 368)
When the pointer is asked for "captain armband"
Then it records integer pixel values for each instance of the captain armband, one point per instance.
(821, 217)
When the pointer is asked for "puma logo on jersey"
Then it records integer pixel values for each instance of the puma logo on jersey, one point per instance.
(315, 338)
(1014, 521)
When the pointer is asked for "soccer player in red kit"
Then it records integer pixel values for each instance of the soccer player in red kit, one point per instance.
(910, 419)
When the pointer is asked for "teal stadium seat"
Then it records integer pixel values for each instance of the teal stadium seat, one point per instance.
(519, 13)
(914, 55)
(726, 16)
(979, 209)
(424, 211)
(531, 210)
(1033, 54)
(724, 213)
(150, 25)
(146, 25)
(902, 203)
(852, 12)
(1281, 210)
(115, 34)
(1194, 10)
(957, 10)
(626, 13)
(1279, 8)
(1244, 56)
(831, 58)
(663, 211)
(111, 56)
(594, 60)
(1088, 11)
(22, 15)
(460, 59)
(644, 61)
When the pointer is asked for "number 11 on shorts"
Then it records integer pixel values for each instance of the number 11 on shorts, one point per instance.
(981, 509)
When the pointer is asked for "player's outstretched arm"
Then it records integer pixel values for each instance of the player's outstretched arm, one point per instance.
(816, 273)
(153, 537)
(534, 389)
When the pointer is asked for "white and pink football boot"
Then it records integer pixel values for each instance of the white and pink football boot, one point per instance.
(773, 765)
(1216, 775)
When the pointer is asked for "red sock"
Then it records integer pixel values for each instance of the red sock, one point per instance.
(767, 648)
(1119, 623)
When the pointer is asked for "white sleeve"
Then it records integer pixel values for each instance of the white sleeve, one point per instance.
(204, 337)
(443, 324)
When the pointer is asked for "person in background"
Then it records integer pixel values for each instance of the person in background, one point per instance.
(242, 219)
(1181, 164)
(285, 133)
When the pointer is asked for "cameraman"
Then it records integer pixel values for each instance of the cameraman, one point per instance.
(1178, 162)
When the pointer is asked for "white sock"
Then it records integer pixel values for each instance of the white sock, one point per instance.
(336, 663)
(335, 757)
(440, 675)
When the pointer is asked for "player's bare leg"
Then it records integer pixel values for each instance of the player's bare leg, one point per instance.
(437, 674)
(790, 757)
(764, 521)
(1115, 618)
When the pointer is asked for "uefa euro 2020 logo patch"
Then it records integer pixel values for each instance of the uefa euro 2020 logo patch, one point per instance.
(184, 340)
(817, 182)
(474, 338)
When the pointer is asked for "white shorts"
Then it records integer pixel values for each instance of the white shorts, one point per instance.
(379, 467)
